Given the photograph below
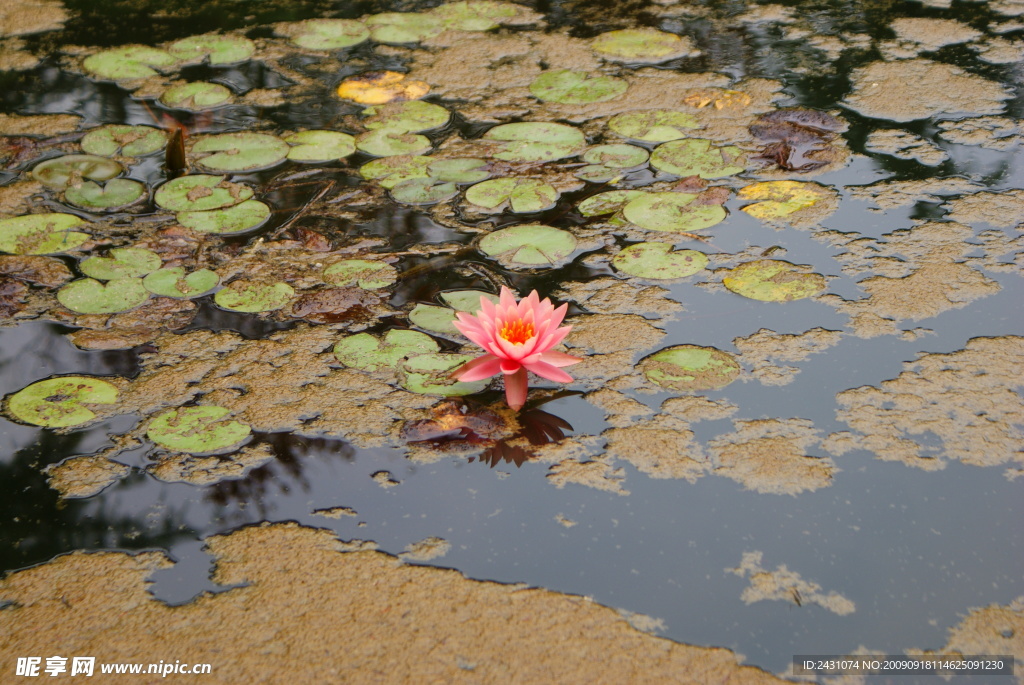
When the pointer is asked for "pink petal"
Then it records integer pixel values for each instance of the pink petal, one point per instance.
(509, 366)
(515, 389)
(553, 338)
(478, 369)
(559, 359)
(510, 350)
(507, 299)
(549, 371)
(559, 314)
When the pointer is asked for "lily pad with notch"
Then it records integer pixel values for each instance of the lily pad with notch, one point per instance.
(697, 157)
(772, 280)
(460, 170)
(59, 402)
(608, 202)
(216, 49)
(237, 219)
(568, 87)
(390, 171)
(475, 16)
(130, 141)
(657, 261)
(410, 116)
(60, 172)
(389, 143)
(312, 147)
(197, 430)
(325, 34)
(117, 193)
(642, 46)
(196, 96)
(672, 212)
(430, 374)
(236, 152)
(89, 296)
(423, 191)
(176, 282)
(441, 319)
(535, 141)
(529, 245)
(123, 262)
(128, 62)
(200, 192)
(250, 296)
(403, 27)
(653, 125)
(38, 234)
(690, 368)
(521, 195)
(607, 162)
(366, 273)
(370, 353)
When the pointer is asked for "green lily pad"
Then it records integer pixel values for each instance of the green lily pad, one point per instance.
(388, 143)
(521, 195)
(642, 46)
(319, 146)
(598, 173)
(34, 234)
(196, 96)
(672, 212)
(114, 194)
(131, 141)
(410, 116)
(128, 62)
(609, 202)
(529, 245)
(690, 367)
(657, 261)
(403, 27)
(390, 171)
(617, 156)
(199, 193)
(60, 172)
(123, 262)
(235, 152)
(536, 142)
(248, 296)
(576, 87)
(57, 402)
(325, 34)
(89, 296)
(467, 300)
(197, 430)
(474, 16)
(423, 191)
(653, 125)
(174, 282)
(428, 374)
(433, 318)
(696, 157)
(460, 170)
(771, 280)
(218, 49)
(366, 273)
(238, 219)
(367, 352)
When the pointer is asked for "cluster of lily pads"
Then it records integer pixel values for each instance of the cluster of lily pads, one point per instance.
(521, 168)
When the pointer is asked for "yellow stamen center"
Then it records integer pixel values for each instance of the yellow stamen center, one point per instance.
(517, 332)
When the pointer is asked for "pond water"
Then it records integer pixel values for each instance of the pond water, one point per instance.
(857, 486)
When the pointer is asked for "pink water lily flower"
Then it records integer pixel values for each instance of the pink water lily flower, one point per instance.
(518, 338)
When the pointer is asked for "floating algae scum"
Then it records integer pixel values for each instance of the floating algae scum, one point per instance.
(789, 236)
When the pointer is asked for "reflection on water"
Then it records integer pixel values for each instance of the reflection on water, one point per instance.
(913, 550)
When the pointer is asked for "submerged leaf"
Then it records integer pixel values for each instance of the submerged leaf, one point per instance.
(657, 261)
(389, 143)
(390, 171)
(771, 280)
(57, 402)
(690, 367)
(576, 87)
(529, 245)
(36, 234)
